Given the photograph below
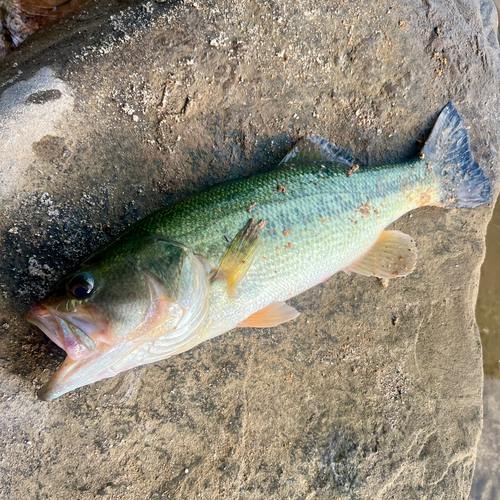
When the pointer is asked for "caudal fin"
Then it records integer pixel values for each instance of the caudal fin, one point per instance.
(463, 182)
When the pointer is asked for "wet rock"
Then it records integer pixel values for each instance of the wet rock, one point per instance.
(374, 392)
(486, 485)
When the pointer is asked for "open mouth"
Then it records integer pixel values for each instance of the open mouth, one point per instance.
(74, 331)
(84, 335)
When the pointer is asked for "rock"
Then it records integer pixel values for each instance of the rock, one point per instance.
(374, 392)
(486, 484)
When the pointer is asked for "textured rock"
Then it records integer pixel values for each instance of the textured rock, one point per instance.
(373, 392)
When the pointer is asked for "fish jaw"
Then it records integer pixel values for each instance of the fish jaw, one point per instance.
(88, 361)
(84, 333)
(73, 374)
(129, 352)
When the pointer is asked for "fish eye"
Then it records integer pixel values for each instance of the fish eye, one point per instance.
(81, 285)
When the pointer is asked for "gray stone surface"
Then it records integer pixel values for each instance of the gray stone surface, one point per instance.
(486, 484)
(374, 392)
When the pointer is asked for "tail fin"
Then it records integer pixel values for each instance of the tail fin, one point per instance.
(463, 182)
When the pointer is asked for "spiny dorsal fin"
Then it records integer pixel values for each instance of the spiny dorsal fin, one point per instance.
(272, 315)
(239, 256)
(393, 255)
(315, 148)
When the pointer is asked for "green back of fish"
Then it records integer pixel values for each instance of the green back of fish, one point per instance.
(293, 200)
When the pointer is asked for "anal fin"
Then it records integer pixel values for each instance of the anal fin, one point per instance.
(393, 255)
(272, 315)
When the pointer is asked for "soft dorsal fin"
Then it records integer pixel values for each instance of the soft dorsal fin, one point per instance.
(315, 148)
(239, 256)
(393, 255)
(272, 315)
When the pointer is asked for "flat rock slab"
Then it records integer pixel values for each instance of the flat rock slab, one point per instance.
(374, 392)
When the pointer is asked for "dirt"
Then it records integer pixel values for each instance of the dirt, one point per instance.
(375, 391)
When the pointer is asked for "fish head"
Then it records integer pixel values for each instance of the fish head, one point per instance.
(123, 298)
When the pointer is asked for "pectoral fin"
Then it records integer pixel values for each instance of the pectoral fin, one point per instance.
(393, 255)
(272, 315)
(239, 256)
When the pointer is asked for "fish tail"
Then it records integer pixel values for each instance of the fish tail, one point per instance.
(462, 181)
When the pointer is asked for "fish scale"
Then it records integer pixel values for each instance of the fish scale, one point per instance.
(320, 208)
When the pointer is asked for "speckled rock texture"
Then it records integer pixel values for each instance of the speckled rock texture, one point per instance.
(374, 392)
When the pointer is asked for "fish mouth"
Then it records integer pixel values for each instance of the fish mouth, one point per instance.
(84, 333)
(77, 331)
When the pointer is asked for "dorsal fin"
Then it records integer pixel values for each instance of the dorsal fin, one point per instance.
(315, 148)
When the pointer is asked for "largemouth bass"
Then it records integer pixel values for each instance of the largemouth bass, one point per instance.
(230, 256)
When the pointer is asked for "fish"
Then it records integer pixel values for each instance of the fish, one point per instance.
(231, 256)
